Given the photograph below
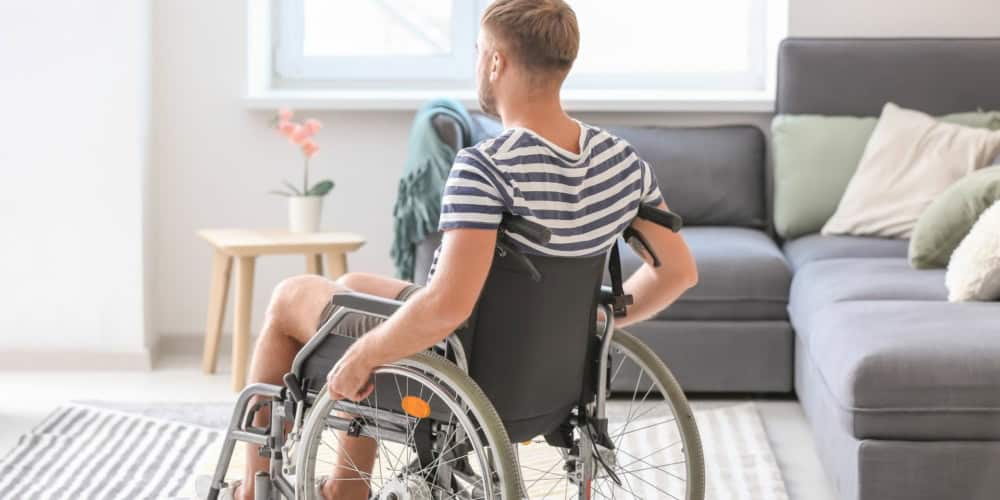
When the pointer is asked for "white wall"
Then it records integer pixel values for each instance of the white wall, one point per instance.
(73, 162)
(888, 18)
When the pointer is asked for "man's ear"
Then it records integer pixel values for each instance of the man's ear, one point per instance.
(498, 64)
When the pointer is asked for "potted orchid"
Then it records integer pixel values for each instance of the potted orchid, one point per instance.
(305, 202)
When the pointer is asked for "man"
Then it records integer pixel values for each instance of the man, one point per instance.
(581, 182)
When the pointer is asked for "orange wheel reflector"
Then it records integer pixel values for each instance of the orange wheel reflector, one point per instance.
(416, 407)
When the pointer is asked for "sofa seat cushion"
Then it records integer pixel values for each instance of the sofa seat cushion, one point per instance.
(742, 275)
(806, 249)
(825, 282)
(906, 369)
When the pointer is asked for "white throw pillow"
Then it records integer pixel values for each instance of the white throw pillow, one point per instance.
(910, 159)
(974, 269)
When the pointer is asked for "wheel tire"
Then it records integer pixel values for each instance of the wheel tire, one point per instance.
(469, 394)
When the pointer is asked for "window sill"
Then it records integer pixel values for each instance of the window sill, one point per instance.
(573, 100)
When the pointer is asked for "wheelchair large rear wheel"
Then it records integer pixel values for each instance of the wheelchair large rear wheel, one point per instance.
(437, 437)
(657, 450)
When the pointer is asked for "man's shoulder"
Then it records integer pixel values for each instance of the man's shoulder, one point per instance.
(608, 138)
(481, 154)
(490, 146)
(518, 145)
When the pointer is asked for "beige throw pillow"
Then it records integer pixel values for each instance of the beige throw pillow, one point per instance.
(910, 159)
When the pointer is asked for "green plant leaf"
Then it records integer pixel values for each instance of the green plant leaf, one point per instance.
(321, 188)
(292, 187)
(280, 192)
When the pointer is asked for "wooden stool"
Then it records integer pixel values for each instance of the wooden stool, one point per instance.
(245, 245)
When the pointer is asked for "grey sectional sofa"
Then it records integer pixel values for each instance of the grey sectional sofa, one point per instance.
(902, 388)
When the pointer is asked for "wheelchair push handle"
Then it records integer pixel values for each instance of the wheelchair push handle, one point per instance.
(535, 232)
(661, 217)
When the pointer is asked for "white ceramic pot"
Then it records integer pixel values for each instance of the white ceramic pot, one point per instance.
(304, 213)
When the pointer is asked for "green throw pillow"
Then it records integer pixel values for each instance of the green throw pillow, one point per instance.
(947, 220)
(815, 157)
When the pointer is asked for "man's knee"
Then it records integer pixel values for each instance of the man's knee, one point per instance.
(297, 302)
(352, 281)
(372, 284)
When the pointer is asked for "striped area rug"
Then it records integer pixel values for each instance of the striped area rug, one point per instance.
(81, 452)
(739, 463)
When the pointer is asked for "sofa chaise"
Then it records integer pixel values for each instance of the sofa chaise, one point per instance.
(901, 387)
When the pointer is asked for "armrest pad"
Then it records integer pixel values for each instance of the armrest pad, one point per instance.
(363, 302)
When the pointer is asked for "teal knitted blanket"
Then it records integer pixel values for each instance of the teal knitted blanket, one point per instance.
(418, 201)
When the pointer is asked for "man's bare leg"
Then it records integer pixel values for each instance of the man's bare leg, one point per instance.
(351, 474)
(289, 323)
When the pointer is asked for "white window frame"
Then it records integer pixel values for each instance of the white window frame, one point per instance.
(278, 74)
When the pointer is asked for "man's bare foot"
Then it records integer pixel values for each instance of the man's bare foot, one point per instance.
(240, 494)
(348, 490)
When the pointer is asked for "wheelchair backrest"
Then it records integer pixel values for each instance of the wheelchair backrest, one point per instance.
(528, 341)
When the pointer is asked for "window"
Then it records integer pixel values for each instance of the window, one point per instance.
(376, 40)
(678, 44)
(627, 46)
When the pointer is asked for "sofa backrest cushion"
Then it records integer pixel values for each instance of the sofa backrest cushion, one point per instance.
(835, 76)
(711, 176)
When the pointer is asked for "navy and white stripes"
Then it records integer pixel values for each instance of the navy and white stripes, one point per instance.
(585, 199)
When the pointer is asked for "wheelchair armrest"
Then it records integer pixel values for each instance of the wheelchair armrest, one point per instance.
(366, 303)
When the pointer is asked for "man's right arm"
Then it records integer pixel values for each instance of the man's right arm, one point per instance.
(655, 288)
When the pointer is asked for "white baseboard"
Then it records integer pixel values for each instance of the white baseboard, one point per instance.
(182, 344)
(43, 360)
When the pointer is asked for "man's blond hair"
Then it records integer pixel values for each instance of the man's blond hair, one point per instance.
(541, 34)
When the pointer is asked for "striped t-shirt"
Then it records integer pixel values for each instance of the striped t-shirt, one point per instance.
(586, 200)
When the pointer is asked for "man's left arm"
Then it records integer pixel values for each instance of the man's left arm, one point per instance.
(428, 317)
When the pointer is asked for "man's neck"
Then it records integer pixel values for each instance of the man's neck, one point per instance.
(544, 116)
(533, 113)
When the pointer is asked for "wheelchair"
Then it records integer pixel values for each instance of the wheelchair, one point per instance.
(533, 365)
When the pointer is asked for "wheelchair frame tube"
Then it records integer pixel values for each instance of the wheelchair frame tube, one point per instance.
(277, 442)
(316, 339)
(602, 376)
(235, 432)
(344, 425)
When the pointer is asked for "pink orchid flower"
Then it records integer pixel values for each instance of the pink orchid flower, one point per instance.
(313, 125)
(287, 129)
(300, 135)
(310, 148)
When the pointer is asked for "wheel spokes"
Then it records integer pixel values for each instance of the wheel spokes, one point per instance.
(396, 464)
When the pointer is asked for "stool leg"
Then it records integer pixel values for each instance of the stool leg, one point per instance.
(336, 264)
(241, 329)
(314, 264)
(222, 265)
